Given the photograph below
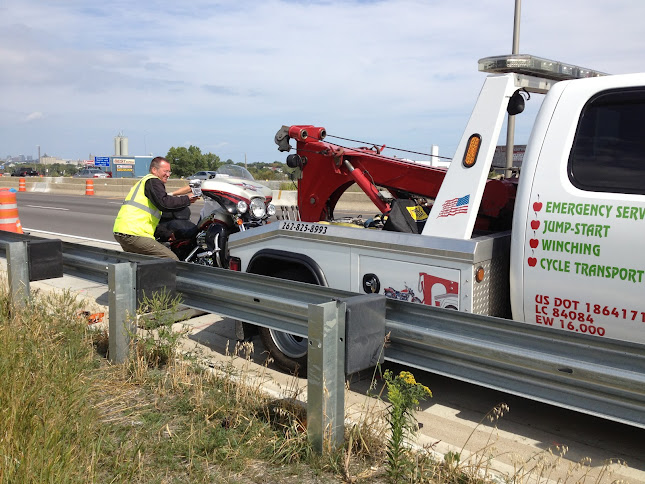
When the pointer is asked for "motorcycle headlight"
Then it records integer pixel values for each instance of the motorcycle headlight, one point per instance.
(258, 210)
(270, 210)
(242, 207)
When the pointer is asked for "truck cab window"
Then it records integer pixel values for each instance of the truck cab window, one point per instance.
(608, 151)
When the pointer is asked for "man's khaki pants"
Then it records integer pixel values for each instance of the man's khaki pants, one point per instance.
(144, 245)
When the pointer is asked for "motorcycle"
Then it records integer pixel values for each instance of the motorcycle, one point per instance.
(233, 202)
(402, 295)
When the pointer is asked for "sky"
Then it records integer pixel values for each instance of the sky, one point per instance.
(226, 75)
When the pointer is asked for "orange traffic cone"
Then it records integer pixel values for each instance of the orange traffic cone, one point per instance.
(89, 187)
(9, 220)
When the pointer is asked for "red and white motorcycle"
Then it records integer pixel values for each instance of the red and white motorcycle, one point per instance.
(233, 202)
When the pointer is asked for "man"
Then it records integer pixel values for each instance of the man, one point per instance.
(140, 213)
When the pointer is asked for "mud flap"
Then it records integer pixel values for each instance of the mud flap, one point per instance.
(244, 331)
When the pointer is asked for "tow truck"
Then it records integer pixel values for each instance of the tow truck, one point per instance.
(560, 245)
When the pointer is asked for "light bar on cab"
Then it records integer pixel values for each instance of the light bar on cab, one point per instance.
(535, 66)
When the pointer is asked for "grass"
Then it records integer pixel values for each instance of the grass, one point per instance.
(46, 370)
(67, 415)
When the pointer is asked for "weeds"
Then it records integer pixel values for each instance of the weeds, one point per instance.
(156, 342)
(404, 394)
(66, 415)
(45, 366)
(542, 466)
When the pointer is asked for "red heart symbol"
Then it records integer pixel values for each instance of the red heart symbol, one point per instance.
(533, 243)
(532, 261)
(535, 224)
(537, 206)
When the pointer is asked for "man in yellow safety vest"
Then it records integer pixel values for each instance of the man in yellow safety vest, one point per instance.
(140, 213)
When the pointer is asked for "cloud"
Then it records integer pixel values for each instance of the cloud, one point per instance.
(33, 116)
(224, 90)
(399, 72)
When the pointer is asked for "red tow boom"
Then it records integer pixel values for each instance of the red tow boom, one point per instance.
(328, 170)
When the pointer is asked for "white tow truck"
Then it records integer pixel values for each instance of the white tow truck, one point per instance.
(558, 246)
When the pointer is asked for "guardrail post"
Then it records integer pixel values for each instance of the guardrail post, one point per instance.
(18, 272)
(122, 302)
(326, 374)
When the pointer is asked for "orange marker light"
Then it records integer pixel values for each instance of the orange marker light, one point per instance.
(472, 150)
(479, 274)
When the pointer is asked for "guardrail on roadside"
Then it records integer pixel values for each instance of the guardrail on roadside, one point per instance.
(329, 318)
(597, 376)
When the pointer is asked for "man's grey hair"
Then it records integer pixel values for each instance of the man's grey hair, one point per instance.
(156, 162)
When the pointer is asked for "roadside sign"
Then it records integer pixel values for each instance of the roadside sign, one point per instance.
(101, 161)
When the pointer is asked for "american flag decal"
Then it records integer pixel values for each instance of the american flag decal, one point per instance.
(454, 206)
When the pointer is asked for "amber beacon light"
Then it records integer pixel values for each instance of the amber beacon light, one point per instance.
(472, 150)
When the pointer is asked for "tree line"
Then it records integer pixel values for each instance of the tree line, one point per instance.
(187, 161)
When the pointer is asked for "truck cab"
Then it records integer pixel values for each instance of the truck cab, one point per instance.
(576, 262)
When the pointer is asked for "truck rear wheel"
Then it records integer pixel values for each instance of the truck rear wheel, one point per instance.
(288, 350)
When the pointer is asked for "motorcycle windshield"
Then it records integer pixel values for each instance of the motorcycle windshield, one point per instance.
(234, 171)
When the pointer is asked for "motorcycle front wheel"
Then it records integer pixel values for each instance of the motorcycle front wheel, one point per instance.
(288, 350)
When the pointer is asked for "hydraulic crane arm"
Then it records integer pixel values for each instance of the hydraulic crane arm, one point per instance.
(327, 170)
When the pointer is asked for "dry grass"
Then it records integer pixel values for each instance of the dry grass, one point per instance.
(480, 466)
(67, 415)
(46, 369)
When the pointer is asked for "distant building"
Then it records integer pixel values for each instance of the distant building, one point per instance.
(120, 145)
(50, 160)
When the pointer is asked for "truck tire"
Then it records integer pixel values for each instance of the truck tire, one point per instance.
(288, 350)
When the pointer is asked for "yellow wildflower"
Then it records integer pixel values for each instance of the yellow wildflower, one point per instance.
(407, 377)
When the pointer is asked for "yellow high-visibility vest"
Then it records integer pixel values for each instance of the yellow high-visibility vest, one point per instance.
(138, 215)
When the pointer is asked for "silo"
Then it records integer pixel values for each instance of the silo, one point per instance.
(117, 146)
(124, 146)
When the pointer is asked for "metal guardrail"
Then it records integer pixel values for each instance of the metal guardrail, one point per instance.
(597, 376)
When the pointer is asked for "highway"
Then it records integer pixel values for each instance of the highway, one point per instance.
(77, 215)
(457, 407)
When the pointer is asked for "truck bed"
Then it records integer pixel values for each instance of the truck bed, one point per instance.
(398, 260)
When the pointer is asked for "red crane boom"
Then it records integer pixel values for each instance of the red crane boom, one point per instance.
(328, 170)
